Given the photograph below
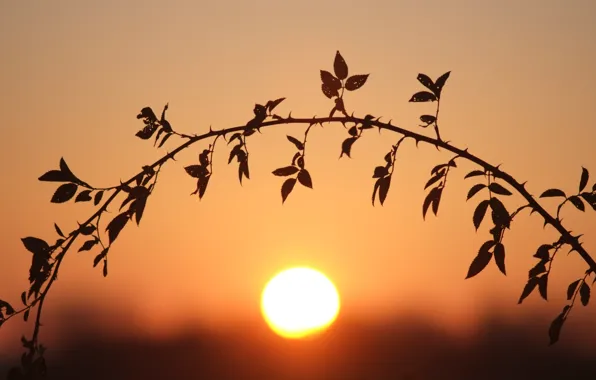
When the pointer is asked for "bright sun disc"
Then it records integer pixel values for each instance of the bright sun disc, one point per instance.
(299, 301)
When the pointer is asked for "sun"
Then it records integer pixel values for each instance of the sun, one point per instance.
(298, 302)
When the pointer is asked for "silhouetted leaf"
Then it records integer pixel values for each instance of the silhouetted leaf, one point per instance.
(499, 253)
(304, 178)
(543, 286)
(196, 171)
(99, 257)
(287, 188)
(530, 286)
(440, 82)
(388, 158)
(116, 225)
(299, 145)
(300, 162)
(58, 230)
(84, 196)
(577, 202)
(553, 193)
(97, 197)
(260, 110)
(433, 180)
(427, 82)
(475, 189)
(428, 119)
(328, 91)
(243, 170)
(555, 327)
(296, 156)
(138, 207)
(8, 307)
(147, 132)
(584, 179)
(500, 215)
(88, 245)
(431, 197)
(285, 171)
(498, 189)
(571, 288)
(163, 141)
(272, 104)
(542, 252)
(87, 230)
(438, 168)
(474, 173)
(35, 245)
(26, 315)
(346, 146)
(584, 294)
(24, 298)
(353, 131)
(64, 193)
(330, 81)
(147, 113)
(481, 260)
(55, 176)
(340, 67)
(423, 96)
(380, 171)
(202, 185)
(479, 213)
(105, 268)
(384, 184)
(356, 81)
(539, 268)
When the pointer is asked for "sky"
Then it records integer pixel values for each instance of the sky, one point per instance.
(74, 75)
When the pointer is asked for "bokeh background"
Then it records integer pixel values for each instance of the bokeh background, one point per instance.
(183, 290)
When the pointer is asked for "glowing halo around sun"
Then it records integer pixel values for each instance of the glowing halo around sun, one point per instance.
(299, 302)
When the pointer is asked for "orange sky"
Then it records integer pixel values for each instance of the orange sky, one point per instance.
(75, 74)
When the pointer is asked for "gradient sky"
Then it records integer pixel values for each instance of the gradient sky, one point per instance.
(74, 75)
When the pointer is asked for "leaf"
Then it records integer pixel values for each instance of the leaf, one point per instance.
(384, 184)
(202, 185)
(543, 286)
(97, 197)
(500, 215)
(530, 286)
(428, 119)
(99, 257)
(64, 193)
(353, 131)
(243, 170)
(340, 67)
(430, 199)
(555, 327)
(260, 110)
(88, 245)
(116, 225)
(584, 179)
(138, 206)
(475, 189)
(499, 253)
(479, 213)
(498, 189)
(433, 180)
(300, 162)
(474, 173)
(427, 82)
(285, 171)
(577, 202)
(105, 268)
(299, 145)
(440, 82)
(537, 269)
(330, 81)
(380, 171)
(304, 178)
(84, 196)
(275, 103)
(55, 176)
(58, 230)
(542, 252)
(147, 113)
(87, 230)
(482, 259)
(423, 96)
(24, 298)
(584, 293)
(196, 171)
(553, 193)
(356, 81)
(571, 289)
(287, 188)
(437, 168)
(7, 306)
(147, 132)
(35, 245)
(328, 91)
(26, 315)
(163, 141)
(346, 146)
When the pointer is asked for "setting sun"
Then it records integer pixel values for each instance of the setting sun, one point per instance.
(299, 301)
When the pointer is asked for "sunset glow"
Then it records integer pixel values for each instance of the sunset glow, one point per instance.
(299, 302)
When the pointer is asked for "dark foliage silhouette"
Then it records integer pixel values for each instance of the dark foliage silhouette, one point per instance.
(492, 185)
